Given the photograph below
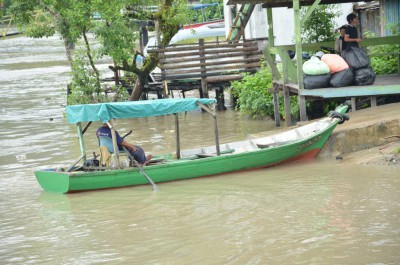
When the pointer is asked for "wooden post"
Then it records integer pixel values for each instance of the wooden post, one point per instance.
(114, 141)
(286, 95)
(373, 102)
(213, 113)
(178, 145)
(353, 104)
(299, 59)
(204, 85)
(271, 40)
(276, 106)
(81, 142)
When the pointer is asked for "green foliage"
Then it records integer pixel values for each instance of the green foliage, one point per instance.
(397, 150)
(84, 86)
(320, 25)
(384, 58)
(254, 99)
(209, 13)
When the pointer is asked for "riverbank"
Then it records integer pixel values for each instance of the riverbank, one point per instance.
(370, 137)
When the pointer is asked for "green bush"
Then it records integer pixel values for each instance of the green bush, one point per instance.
(253, 96)
(381, 63)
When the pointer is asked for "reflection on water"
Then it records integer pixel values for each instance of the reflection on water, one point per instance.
(320, 212)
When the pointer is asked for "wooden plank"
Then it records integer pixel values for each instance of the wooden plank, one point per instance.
(353, 91)
(193, 76)
(206, 46)
(205, 64)
(217, 68)
(255, 54)
(277, 115)
(196, 53)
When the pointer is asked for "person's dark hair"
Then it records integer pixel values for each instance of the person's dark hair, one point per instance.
(351, 17)
(343, 27)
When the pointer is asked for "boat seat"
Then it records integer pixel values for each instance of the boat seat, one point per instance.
(107, 151)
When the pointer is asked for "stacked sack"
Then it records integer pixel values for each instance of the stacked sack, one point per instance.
(358, 60)
(317, 74)
(341, 74)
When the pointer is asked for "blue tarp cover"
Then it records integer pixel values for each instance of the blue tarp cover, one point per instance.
(132, 109)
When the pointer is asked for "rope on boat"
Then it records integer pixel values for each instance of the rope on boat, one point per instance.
(339, 116)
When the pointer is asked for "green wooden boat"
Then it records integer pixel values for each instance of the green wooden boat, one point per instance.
(299, 143)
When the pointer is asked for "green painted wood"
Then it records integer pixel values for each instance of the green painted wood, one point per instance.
(271, 63)
(271, 38)
(177, 169)
(181, 169)
(357, 91)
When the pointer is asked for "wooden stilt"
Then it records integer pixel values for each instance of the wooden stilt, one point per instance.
(373, 102)
(286, 100)
(277, 115)
(178, 145)
(353, 104)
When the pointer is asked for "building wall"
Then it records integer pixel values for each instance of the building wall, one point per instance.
(283, 22)
(392, 12)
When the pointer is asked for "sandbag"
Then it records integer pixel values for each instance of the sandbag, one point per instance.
(314, 66)
(364, 76)
(335, 62)
(342, 78)
(356, 58)
(316, 81)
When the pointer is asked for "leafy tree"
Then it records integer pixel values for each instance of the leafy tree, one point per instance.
(116, 30)
(320, 25)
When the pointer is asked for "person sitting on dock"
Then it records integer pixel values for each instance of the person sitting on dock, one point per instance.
(136, 151)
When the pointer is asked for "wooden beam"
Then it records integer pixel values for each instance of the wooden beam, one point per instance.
(299, 58)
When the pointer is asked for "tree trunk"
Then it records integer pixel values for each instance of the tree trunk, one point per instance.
(138, 88)
(69, 50)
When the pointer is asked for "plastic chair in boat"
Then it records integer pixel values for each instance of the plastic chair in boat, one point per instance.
(107, 151)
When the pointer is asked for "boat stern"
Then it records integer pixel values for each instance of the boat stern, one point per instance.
(53, 181)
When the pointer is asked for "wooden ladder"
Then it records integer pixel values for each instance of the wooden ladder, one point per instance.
(240, 22)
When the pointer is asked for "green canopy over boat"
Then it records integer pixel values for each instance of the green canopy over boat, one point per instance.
(132, 109)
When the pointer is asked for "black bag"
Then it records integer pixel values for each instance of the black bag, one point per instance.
(316, 81)
(342, 78)
(91, 163)
(364, 76)
(356, 58)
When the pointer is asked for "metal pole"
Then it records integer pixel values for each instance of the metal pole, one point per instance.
(178, 145)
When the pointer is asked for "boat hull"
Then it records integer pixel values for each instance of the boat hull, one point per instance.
(63, 182)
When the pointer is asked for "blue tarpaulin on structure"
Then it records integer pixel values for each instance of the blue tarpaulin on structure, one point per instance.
(132, 109)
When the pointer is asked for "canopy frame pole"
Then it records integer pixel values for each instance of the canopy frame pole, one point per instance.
(213, 113)
(114, 141)
(178, 144)
(81, 141)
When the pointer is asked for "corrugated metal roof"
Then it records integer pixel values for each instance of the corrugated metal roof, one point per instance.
(392, 13)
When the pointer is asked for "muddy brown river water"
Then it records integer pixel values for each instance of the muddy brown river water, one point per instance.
(318, 212)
